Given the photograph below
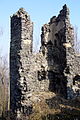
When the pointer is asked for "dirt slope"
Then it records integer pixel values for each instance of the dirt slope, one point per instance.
(49, 106)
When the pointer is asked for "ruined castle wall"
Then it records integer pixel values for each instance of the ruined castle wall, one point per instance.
(53, 47)
(72, 70)
(37, 80)
(20, 48)
(73, 77)
(55, 68)
(14, 59)
(58, 48)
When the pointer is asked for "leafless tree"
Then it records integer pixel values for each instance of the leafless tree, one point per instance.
(4, 81)
(76, 40)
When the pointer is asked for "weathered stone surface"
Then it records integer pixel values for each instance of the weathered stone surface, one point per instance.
(55, 68)
(21, 47)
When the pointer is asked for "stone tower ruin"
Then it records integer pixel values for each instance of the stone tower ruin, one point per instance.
(20, 49)
(55, 68)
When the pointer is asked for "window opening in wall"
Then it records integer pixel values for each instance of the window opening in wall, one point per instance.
(76, 79)
(41, 75)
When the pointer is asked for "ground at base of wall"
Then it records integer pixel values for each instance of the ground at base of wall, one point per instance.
(53, 107)
(49, 106)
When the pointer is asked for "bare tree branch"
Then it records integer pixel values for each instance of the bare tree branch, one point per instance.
(76, 40)
(1, 31)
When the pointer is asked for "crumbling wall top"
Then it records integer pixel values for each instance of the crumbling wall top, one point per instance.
(22, 13)
(63, 15)
(65, 11)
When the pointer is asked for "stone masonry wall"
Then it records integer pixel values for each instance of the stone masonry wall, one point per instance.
(53, 47)
(20, 49)
(58, 48)
(55, 68)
